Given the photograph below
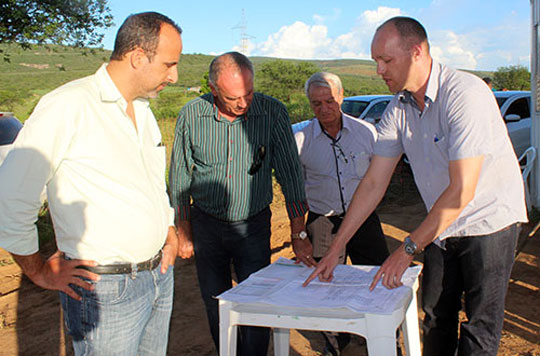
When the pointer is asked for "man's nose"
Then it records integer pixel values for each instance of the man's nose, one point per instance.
(173, 75)
(380, 69)
(242, 102)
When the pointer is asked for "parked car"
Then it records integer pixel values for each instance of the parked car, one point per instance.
(9, 129)
(366, 107)
(514, 106)
(515, 110)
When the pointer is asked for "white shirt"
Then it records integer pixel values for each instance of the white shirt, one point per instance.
(105, 179)
(323, 162)
(460, 120)
(4, 149)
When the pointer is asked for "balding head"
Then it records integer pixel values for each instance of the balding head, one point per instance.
(410, 30)
(232, 60)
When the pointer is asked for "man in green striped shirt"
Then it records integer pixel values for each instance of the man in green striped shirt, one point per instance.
(227, 143)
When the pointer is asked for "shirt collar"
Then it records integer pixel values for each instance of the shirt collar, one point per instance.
(345, 122)
(432, 88)
(433, 82)
(317, 129)
(107, 88)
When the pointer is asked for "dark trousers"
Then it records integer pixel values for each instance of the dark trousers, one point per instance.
(479, 268)
(217, 243)
(366, 247)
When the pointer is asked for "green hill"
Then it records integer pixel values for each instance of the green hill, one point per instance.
(31, 73)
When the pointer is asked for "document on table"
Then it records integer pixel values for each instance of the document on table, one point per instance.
(280, 284)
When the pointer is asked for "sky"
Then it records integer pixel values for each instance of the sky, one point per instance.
(465, 34)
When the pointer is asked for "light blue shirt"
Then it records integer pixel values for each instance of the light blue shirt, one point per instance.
(322, 162)
(460, 120)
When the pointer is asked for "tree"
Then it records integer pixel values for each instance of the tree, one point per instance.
(281, 79)
(512, 78)
(205, 86)
(70, 22)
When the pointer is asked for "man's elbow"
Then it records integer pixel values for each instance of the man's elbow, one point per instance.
(463, 197)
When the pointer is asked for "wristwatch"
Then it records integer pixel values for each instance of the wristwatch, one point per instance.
(299, 235)
(410, 247)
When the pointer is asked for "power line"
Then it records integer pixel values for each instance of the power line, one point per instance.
(244, 36)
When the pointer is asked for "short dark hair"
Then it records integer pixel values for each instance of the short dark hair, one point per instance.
(230, 58)
(140, 31)
(411, 31)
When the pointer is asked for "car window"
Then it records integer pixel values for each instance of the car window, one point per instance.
(377, 110)
(500, 101)
(353, 107)
(519, 107)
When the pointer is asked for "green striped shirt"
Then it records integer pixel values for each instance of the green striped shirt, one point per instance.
(212, 157)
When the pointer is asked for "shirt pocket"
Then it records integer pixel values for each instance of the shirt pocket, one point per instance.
(155, 162)
(361, 161)
(441, 144)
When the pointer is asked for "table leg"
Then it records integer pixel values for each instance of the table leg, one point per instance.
(281, 341)
(411, 333)
(227, 331)
(381, 346)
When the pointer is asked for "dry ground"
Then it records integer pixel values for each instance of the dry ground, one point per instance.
(30, 319)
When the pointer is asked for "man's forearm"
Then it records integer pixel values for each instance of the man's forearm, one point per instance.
(297, 224)
(464, 176)
(30, 264)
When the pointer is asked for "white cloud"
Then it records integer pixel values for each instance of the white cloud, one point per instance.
(301, 40)
(452, 49)
(296, 41)
(375, 17)
(333, 16)
(480, 47)
(483, 49)
(319, 19)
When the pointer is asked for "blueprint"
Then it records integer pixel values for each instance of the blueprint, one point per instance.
(280, 284)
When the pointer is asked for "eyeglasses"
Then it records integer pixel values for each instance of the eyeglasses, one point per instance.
(257, 162)
(340, 150)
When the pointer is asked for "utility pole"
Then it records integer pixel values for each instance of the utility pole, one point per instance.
(244, 37)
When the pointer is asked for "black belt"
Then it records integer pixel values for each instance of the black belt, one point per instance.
(126, 268)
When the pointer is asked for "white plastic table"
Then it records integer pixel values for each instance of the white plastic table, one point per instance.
(378, 329)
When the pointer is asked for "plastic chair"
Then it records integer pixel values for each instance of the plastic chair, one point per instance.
(526, 161)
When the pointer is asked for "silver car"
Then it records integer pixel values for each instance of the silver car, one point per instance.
(366, 107)
(515, 110)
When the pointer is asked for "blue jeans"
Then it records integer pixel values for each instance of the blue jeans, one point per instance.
(125, 315)
(216, 243)
(479, 268)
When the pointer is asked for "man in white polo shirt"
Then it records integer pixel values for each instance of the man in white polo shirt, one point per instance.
(95, 145)
(448, 124)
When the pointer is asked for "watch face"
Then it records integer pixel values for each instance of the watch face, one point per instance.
(409, 249)
(302, 235)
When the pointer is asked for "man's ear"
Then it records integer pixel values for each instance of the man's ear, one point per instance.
(137, 58)
(417, 51)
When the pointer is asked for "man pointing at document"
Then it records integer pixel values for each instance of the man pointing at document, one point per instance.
(448, 124)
